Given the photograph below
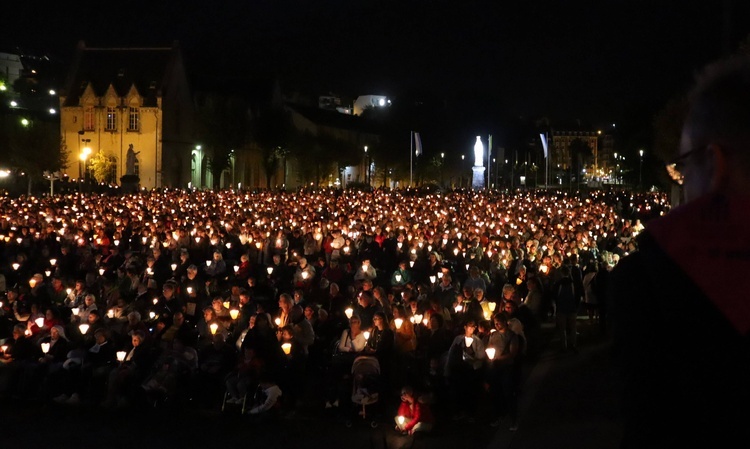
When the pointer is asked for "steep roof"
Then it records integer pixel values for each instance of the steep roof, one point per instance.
(335, 119)
(145, 68)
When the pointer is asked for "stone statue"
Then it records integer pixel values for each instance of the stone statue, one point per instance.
(131, 160)
(479, 153)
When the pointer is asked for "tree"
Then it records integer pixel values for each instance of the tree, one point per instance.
(223, 126)
(103, 168)
(33, 146)
(580, 154)
(272, 131)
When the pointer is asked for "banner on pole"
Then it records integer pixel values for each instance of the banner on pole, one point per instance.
(544, 144)
(417, 144)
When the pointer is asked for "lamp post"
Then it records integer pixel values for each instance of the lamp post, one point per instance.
(461, 181)
(640, 170)
(616, 166)
(367, 169)
(82, 166)
(442, 170)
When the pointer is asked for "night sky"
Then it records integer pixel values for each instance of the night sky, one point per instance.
(600, 61)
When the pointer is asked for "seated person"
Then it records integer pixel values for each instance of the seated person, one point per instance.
(266, 400)
(413, 415)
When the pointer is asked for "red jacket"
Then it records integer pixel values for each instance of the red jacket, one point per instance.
(414, 413)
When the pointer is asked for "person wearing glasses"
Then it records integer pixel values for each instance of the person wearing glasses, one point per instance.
(681, 314)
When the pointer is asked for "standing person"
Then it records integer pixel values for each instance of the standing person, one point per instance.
(466, 357)
(681, 275)
(566, 309)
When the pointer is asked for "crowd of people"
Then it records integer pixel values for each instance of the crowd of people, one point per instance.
(173, 294)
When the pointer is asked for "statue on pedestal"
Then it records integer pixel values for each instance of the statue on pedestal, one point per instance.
(479, 153)
(131, 161)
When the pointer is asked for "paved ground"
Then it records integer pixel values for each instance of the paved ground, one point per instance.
(568, 401)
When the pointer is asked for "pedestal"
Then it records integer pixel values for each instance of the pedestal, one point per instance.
(130, 184)
(477, 179)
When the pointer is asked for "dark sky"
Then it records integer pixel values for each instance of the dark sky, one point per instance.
(602, 61)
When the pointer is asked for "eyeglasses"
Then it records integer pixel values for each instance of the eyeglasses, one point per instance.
(676, 166)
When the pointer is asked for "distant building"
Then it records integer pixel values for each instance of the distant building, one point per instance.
(370, 101)
(561, 141)
(351, 134)
(11, 67)
(117, 97)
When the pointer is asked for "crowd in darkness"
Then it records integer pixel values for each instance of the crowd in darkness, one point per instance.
(115, 300)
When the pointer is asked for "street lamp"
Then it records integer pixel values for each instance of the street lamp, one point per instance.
(442, 165)
(82, 166)
(640, 169)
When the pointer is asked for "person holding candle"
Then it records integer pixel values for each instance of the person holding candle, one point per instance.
(405, 340)
(125, 379)
(401, 276)
(413, 415)
(17, 356)
(500, 377)
(463, 371)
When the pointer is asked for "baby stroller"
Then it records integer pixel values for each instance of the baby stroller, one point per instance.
(365, 385)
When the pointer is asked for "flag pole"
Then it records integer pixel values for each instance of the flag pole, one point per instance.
(411, 158)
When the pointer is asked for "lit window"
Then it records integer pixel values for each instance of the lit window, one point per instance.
(111, 119)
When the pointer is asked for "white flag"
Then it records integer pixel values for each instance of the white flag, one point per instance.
(544, 143)
(417, 144)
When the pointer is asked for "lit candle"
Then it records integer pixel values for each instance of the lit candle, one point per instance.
(174, 266)
(459, 308)
(269, 270)
(519, 281)
(401, 420)
(398, 277)
(152, 315)
(4, 348)
(234, 313)
(349, 312)
(45, 347)
(214, 327)
(101, 272)
(398, 322)
(83, 328)
(417, 318)
(287, 348)
(304, 275)
(190, 290)
(111, 313)
(277, 321)
(74, 310)
(490, 353)
(432, 279)
(236, 268)
(366, 334)
(411, 263)
(492, 306)
(52, 262)
(208, 263)
(47, 273)
(226, 304)
(39, 322)
(121, 356)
